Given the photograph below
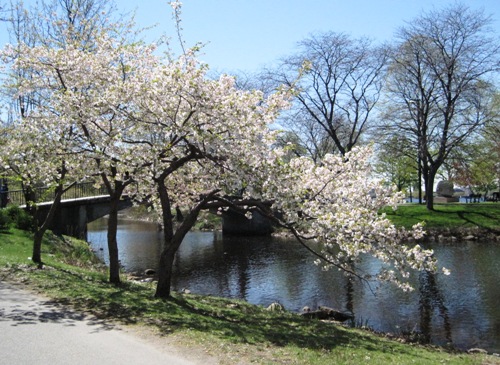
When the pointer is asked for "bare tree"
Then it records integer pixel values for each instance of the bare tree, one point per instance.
(3, 12)
(340, 85)
(438, 83)
(309, 137)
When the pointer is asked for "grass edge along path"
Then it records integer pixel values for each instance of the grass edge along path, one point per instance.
(231, 330)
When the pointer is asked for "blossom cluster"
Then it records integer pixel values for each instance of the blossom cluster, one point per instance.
(334, 206)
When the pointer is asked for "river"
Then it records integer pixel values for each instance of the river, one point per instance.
(462, 309)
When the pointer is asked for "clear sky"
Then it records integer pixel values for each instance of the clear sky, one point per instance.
(248, 34)
(245, 35)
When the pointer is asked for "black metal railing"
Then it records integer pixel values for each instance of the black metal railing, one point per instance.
(43, 194)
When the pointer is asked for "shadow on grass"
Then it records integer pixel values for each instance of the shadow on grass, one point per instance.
(469, 218)
(230, 321)
(240, 322)
(234, 321)
(237, 322)
(483, 216)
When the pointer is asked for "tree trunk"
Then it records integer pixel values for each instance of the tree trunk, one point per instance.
(40, 229)
(37, 246)
(114, 263)
(167, 255)
(173, 239)
(429, 189)
(115, 190)
(167, 258)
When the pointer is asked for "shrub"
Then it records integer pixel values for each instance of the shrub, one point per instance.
(19, 217)
(5, 220)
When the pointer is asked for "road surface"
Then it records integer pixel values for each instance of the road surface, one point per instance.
(35, 331)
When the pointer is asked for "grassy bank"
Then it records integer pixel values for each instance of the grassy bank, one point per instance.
(484, 216)
(231, 330)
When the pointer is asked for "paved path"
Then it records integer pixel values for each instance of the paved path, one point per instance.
(35, 331)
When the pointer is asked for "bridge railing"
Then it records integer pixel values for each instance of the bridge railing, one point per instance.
(43, 194)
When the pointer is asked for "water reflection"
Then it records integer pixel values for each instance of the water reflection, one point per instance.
(461, 308)
(432, 304)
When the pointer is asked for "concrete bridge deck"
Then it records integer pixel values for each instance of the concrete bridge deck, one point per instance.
(74, 214)
(81, 204)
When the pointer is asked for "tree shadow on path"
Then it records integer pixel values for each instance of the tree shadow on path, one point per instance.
(18, 307)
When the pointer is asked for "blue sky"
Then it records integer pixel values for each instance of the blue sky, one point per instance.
(248, 34)
(245, 35)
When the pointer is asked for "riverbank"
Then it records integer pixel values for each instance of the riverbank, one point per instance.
(451, 222)
(230, 331)
(447, 222)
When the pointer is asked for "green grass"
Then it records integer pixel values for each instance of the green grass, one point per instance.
(230, 329)
(14, 247)
(450, 216)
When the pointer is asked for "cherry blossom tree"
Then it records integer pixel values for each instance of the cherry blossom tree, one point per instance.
(71, 73)
(205, 140)
(35, 153)
(333, 207)
(32, 150)
(201, 140)
(82, 89)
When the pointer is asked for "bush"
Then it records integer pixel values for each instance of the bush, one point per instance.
(19, 217)
(5, 220)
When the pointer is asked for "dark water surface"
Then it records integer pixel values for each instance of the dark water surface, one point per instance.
(463, 308)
